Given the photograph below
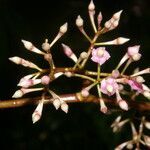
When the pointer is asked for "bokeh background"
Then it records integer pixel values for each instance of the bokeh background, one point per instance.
(84, 127)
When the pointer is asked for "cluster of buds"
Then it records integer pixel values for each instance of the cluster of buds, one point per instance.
(42, 77)
(138, 137)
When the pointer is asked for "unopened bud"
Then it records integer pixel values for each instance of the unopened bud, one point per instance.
(56, 103)
(29, 82)
(113, 22)
(69, 53)
(129, 146)
(99, 19)
(140, 79)
(147, 140)
(45, 80)
(18, 94)
(26, 83)
(28, 45)
(22, 91)
(67, 50)
(63, 28)
(79, 21)
(37, 113)
(121, 40)
(116, 16)
(107, 24)
(147, 124)
(123, 105)
(64, 107)
(16, 60)
(46, 45)
(84, 55)
(146, 94)
(115, 73)
(68, 74)
(91, 6)
(58, 74)
(103, 107)
(85, 93)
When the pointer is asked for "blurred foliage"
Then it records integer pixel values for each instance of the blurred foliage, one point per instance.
(84, 127)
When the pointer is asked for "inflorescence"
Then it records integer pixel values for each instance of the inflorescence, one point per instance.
(107, 84)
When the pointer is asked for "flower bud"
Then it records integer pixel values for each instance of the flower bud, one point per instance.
(121, 40)
(147, 124)
(56, 103)
(29, 46)
(85, 93)
(84, 55)
(129, 146)
(116, 16)
(29, 82)
(37, 112)
(68, 74)
(18, 94)
(58, 74)
(113, 22)
(123, 105)
(140, 79)
(103, 107)
(46, 45)
(79, 21)
(147, 140)
(45, 80)
(63, 28)
(67, 50)
(146, 94)
(16, 60)
(64, 107)
(69, 53)
(91, 6)
(115, 74)
(99, 19)
(107, 24)
(25, 83)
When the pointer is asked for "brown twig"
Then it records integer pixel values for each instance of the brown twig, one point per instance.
(70, 98)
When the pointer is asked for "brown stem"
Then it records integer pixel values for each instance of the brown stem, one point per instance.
(70, 98)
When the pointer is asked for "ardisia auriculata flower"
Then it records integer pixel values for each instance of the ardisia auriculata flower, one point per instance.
(109, 86)
(100, 55)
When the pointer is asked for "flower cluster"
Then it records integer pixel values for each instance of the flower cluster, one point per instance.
(105, 84)
(138, 137)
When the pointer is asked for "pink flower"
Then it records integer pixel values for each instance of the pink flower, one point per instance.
(109, 86)
(135, 85)
(133, 52)
(100, 55)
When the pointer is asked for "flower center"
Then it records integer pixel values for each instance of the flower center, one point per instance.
(100, 52)
(110, 88)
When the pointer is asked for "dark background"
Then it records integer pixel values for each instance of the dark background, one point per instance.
(84, 127)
